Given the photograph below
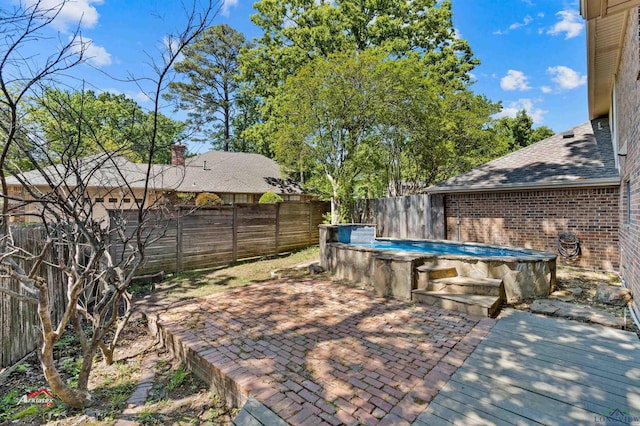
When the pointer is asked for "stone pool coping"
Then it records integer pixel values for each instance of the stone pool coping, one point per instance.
(393, 273)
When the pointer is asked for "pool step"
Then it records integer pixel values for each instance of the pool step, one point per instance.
(480, 305)
(428, 273)
(466, 285)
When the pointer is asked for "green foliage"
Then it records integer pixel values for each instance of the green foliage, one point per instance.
(364, 123)
(177, 378)
(29, 411)
(186, 197)
(94, 123)
(8, 403)
(208, 199)
(297, 32)
(517, 132)
(540, 133)
(270, 198)
(211, 67)
(521, 129)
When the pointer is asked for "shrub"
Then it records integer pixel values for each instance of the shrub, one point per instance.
(270, 198)
(208, 199)
(185, 197)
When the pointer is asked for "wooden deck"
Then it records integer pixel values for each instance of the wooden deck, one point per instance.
(537, 370)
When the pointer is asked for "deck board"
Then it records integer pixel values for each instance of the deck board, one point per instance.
(537, 370)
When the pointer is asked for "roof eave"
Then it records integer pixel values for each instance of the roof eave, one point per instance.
(583, 183)
(606, 24)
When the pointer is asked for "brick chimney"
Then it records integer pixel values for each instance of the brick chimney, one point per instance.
(177, 154)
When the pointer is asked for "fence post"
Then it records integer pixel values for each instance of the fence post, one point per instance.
(234, 232)
(277, 228)
(179, 240)
(310, 222)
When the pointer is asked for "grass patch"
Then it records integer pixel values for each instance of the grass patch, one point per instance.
(177, 378)
(187, 285)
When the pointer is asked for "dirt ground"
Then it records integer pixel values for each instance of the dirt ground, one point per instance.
(177, 396)
(583, 284)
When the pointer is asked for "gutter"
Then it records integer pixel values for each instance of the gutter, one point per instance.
(583, 183)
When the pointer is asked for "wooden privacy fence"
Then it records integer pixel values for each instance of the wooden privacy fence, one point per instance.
(411, 217)
(214, 236)
(19, 320)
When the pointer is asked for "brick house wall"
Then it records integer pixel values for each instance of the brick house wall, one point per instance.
(627, 123)
(535, 219)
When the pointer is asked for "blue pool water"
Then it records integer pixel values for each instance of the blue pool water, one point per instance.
(440, 247)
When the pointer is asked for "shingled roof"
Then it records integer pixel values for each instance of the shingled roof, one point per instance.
(584, 159)
(214, 171)
(235, 172)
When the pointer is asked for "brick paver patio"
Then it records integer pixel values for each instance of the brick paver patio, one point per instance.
(315, 352)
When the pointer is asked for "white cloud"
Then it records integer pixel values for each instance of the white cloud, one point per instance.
(526, 21)
(93, 54)
(72, 13)
(546, 89)
(227, 5)
(537, 114)
(514, 80)
(566, 78)
(570, 24)
(457, 33)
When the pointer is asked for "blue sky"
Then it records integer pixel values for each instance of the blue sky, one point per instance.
(532, 52)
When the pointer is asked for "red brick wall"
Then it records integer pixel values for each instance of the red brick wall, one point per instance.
(627, 123)
(535, 219)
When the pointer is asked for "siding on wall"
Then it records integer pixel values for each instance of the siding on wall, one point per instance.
(628, 130)
(535, 219)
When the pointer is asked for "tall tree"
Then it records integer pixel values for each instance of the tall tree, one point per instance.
(101, 122)
(521, 129)
(77, 243)
(517, 131)
(210, 66)
(297, 32)
(325, 112)
(247, 114)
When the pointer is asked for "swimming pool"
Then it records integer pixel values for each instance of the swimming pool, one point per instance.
(352, 252)
(443, 248)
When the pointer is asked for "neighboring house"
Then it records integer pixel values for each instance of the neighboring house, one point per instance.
(613, 61)
(113, 182)
(237, 177)
(567, 183)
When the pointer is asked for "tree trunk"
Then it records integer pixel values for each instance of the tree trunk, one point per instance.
(227, 117)
(87, 363)
(335, 201)
(76, 398)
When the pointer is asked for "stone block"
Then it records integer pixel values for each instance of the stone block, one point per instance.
(613, 295)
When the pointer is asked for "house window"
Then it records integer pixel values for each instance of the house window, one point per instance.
(99, 200)
(138, 200)
(126, 200)
(113, 200)
(627, 193)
